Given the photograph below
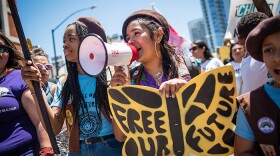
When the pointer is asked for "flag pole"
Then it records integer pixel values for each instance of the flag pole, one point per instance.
(35, 84)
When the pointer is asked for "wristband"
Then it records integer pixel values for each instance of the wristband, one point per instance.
(46, 151)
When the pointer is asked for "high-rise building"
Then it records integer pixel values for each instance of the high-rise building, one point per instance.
(7, 26)
(197, 30)
(215, 14)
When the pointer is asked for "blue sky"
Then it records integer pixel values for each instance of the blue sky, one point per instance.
(39, 17)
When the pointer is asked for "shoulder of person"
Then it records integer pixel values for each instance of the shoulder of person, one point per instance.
(53, 87)
(229, 64)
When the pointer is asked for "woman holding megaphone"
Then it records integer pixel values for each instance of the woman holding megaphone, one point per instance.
(148, 31)
(79, 98)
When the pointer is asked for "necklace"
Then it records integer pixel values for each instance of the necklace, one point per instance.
(158, 77)
(2, 72)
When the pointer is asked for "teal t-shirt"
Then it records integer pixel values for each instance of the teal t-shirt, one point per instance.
(89, 123)
(243, 128)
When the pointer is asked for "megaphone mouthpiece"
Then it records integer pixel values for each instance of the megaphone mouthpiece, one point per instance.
(134, 52)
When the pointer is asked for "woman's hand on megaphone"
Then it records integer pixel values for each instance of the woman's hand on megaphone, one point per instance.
(119, 78)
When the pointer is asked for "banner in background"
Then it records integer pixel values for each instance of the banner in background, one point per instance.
(240, 8)
(175, 39)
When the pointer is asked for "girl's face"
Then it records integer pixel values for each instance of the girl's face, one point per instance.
(197, 52)
(271, 56)
(139, 37)
(43, 64)
(238, 52)
(4, 55)
(71, 44)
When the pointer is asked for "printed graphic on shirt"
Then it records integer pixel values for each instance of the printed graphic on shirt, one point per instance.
(198, 121)
(89, 120)
(90, 125)
(4, 110)
(3, 91)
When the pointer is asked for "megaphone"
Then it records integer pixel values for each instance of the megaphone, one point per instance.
(94, 54)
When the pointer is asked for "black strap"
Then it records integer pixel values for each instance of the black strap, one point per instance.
(191, 65)
(93, 140)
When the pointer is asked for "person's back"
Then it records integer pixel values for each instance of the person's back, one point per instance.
(253, 72)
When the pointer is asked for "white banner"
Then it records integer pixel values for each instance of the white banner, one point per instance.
(240, 8)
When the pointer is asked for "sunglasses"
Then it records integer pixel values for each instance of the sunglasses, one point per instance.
(4, 49)
(46, 66)
(193, 49)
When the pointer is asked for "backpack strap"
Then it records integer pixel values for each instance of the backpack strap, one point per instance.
(191, 65)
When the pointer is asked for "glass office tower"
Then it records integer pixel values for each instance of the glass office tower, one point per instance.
(215, 14)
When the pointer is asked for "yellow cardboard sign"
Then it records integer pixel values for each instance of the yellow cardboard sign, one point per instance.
(224, 52)
(197, 121)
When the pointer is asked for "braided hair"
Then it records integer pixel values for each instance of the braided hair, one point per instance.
(70, 91)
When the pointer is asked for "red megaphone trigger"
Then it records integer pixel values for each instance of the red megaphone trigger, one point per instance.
(134, 52)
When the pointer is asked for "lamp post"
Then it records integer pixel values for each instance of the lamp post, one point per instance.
(53, 30)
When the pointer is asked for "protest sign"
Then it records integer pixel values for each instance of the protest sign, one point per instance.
(199, 120)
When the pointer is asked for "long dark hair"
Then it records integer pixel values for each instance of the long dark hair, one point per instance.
(71, 89)
(15, 56)
(230, 51)
(207, 53)
(169, 57)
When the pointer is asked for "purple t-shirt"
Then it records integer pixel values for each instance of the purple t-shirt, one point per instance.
(17, 133)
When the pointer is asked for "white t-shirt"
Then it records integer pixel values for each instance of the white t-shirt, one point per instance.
(236, 67)
(211, 64)
(253, 74)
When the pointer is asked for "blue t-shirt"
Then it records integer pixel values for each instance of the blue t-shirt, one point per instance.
(18, 135)
(90, 125)
(48, 91)
(242, 126)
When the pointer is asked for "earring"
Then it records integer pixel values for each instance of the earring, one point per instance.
(156, 50)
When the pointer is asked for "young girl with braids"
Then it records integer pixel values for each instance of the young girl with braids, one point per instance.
(79, 98)
(148, 31)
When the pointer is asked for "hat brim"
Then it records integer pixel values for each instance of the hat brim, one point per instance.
(256, 36)
(146, 13)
